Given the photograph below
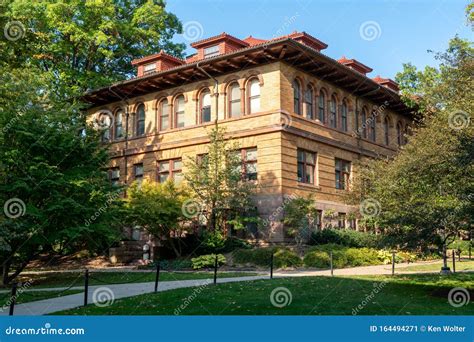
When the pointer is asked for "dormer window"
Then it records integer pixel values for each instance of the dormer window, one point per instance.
(149, 68)
(211, 51)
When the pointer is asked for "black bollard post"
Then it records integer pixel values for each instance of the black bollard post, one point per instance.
(13, 298)
(393, 263)
(86, 286)
(271, 266)
(454, 261)
(331, 263)
(215, 271)
(157, 276)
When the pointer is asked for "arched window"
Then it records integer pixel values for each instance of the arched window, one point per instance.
(179, 111)
(308, 100)
(399, 134)
(372, 121)
(254, 96)
(105, 122)
(296, 97)
(364, 122)
(405, 134)
(322, 107)
(235, 108)
(385, 131)
(140, 119)
(164, 111)
(205, 106)
(344, 116)
(333, 112)
(118, 124)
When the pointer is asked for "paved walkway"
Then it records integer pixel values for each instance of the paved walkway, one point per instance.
(51, 305)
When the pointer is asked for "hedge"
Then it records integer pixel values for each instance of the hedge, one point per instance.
(349, 238)
(283, 257)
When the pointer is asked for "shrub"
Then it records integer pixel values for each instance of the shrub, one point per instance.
(286, 258)
(349, 238)
(318, 259)
(208, 260)
(176, 264)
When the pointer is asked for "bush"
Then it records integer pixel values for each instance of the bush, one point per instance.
(283, 257)
(286, 258)
(318, 259)
(175, 264)
(349, 238)
(208, 260)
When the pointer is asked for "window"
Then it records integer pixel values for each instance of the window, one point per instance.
(249, 163)
(138, 173)
(205, 106)
(179, 111)
(322, 107)
(364, 123)
(306, 166)
(149, 68)
(118, 125)
(114, 176)
(343, 171)
(211, 51)
(308, 100)
(105, 122)
(254, 96)
(141, 119)
(164, 115)
(333, 112)
(341, 220)
(170, 169)
(344, 116)
(385, 131)
(319, 219)
(235, 109)
(372, 135)
(352, 224)
(399, 134)
(202, 159)
(296, 97)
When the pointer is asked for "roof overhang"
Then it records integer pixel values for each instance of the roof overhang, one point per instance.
(286, 50)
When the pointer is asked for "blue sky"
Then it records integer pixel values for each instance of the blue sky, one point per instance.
(382, 34)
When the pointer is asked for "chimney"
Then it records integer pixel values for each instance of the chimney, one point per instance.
(355, 65)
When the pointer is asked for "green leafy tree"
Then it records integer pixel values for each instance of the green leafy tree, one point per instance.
(218, 185)
(300, 216)
(86, 44)
(56, 196)
(158, 208)
(424, 194)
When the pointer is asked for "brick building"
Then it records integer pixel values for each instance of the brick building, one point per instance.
(301, 118)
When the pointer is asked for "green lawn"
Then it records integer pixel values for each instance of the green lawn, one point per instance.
(416, 294)
(34, 296)
(66, 279)
(463, 265)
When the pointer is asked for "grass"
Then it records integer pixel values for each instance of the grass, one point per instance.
(26, 297)
(463, 265)
(66, 279)
(412, 294)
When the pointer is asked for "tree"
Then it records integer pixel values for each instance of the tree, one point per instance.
(423, 196)
(218, 184)
(55, 192)
(157, 207)
(301, 217)
(86, 44)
